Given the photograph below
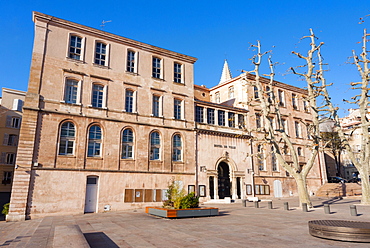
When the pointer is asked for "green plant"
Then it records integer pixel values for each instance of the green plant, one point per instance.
(176, 197)
(189, 201)
(5, 210)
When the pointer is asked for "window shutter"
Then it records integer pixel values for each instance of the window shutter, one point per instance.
(15, 143)
(17, 105)
(8, 121)
(2, 158)
(6, 138)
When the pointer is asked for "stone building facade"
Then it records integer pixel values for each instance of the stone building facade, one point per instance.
(10, 123)
(109, 122)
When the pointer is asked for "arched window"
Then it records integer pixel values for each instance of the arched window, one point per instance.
(95, 141)
(127, 143)
(176, 148)
(67, 139)
(155, 146)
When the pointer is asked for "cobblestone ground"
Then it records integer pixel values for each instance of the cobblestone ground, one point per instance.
(236, 226)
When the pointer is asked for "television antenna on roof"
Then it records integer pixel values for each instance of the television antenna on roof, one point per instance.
(103, 24)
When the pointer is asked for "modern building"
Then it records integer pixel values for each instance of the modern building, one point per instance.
(110, 121)
(10, 123)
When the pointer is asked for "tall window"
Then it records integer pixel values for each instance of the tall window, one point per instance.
(295, 101)
(258, 121)
(130, 67)
(231, 119)
(260, 162)
(155, 146)
(100, 53)
(241, 121)
(10, 139)
(217, 97)
(221, 118)
(95, 141)
(273, 159)
(284, 124)
(127, 143)
(297, 129)
(155, 105)
(177, 148)
(129, 102)
(231, 92)
(156, 67)
(97, 96)
(281, 98)
(10, 158)
(269, 94)
(71, 91)
(177, 109)
(256, 96)
(210, 116)
(308, 129)
(67, 139)
(305, 106)
(299, 151)
(75, 45)
(199, 114)
(177, 74)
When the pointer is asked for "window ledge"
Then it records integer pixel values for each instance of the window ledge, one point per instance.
(66, 156)
(159, 79)
(94, 158)
(133, 73)
(69, 103)
(128, 159)
(76, 60)
(101, 66)
(181, 83)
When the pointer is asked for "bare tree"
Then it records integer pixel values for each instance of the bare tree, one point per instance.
(277, 137)
(361, 161)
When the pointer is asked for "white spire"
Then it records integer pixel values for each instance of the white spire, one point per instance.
(226, 74)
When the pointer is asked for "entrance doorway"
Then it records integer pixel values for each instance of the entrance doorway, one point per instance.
(224, 183)
(278, 189)
(91, 194)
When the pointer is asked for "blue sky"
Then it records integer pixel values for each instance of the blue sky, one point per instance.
(208, 30)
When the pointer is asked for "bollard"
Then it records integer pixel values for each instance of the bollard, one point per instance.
(256, 204)
(353, 210)
(286, 206)
(269, 204)
(304, 207)
(327, 208)
(244, 203)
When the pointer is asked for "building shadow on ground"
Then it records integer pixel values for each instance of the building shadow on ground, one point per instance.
(99, 239)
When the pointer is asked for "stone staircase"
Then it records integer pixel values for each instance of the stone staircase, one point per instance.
(339, 190)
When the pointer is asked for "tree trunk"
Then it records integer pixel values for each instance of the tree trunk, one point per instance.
(302, 191)
(365, 189)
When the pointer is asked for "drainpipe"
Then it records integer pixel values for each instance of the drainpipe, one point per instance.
(196, 164)
(252, 165)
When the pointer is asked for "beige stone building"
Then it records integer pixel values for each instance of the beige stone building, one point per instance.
(110, 121)
(10, 123)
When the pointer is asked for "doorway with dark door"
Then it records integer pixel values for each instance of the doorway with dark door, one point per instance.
(224, 184)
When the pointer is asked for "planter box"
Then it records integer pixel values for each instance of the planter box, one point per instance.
(181, 213)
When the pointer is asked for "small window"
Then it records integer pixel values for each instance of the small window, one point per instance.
(100, 53)
(177, 109)
(177, 76)
(13, 122)
(95, 141)
(260, 158)
(281, 97)
(10, 139)
(269, 94)
(273, 159)
(241, 121)
(256, 96)
(7, 177)
(305, 106)
(155, 146)
(231, 119)
(210, 116)
(127, 144)
(67, 139)
(131, 61)
(177, 148)
(231, 92)
(294, 101)
(297, 129)
(7, 158)
(129, 102)
(155, 105)
(221, 118)
(299, 151)
(156, 67)
(75, 47)
(97, 96)
(199, 114)
(71, 91)
(217, 97)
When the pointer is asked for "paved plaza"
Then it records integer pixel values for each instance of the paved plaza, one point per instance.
(236, 226)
